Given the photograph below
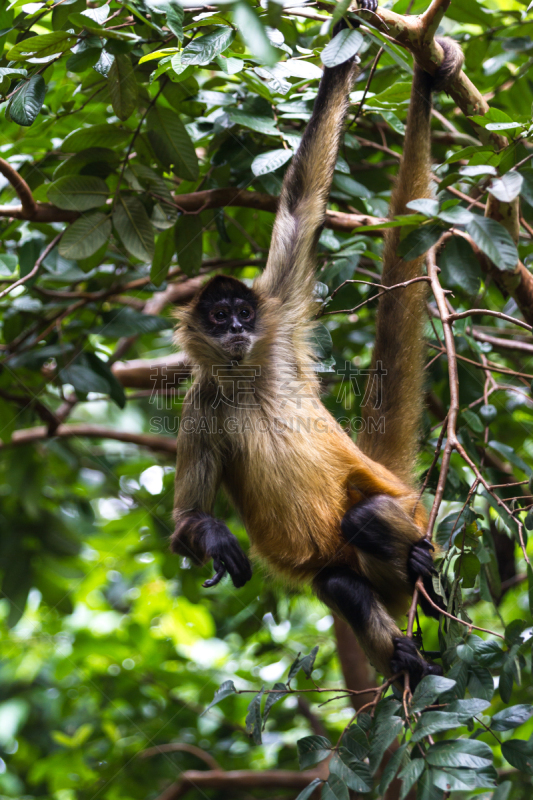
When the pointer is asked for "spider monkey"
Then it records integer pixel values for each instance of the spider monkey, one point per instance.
(317, 507)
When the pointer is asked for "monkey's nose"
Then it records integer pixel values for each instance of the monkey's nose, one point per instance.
(236, 327)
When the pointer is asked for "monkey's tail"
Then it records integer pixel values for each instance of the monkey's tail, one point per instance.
(393, 412)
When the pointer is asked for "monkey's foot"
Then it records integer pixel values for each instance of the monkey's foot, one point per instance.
(406, 658)
(420, 561)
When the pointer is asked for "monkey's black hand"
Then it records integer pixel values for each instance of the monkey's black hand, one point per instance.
(420, 561)
(228, 556)
(407, 658)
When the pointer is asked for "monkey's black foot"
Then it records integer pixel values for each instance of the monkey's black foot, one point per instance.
(420, 561)
(407, 658)
(368, 5)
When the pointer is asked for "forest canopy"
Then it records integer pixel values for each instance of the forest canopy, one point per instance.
(142, 149)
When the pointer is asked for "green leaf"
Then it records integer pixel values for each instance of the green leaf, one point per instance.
(188, 240)
(23, 108)
(430, 208)
(253, 33)
(264, 125)
(8, 264)
(93, 155)
(164, 250)
(204, 49)
(352, 187)
(355, 774)
(419, 241)
(456, 215)
(335, 789)
(307, 663)
(409, 775)
(355, 740)
(466, 709)
(507, 187)
(480, 682)
(84, 379)
(469, 753)
(391, 768)
(477, 169)
(95, 136)
(134, 227)
(450, 779)
(172, 143)
(511, 717)
(384, 737)
(83, 59)
(85, 236)
(312, 750)
(78, 192)
(434, 722)
(253, 718)
(503, 791)
(428, 690)
(79, 738)
(308, 791)
(115, 390)
(343, 46)
(225, 689)
(46, 44)
(129, 322)
(472, 420)
(122, 87)
(459, 265)
(495, 241)
(175, 15)
(279, 691)
(268, 162)
(519, 754)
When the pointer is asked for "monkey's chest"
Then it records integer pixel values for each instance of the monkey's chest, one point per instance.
(290, 487)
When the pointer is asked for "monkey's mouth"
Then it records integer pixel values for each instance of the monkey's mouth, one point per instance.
(237, 344)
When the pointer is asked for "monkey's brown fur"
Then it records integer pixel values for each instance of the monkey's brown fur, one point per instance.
(289, 469)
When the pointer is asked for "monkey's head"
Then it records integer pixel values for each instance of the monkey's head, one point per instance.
(227, 310)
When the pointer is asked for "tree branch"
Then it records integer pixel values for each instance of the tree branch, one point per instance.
(163, 444)
(234, 781)
(156, 373)
(20, 186)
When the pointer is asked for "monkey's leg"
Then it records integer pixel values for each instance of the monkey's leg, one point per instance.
(352, 597)
(379, 528)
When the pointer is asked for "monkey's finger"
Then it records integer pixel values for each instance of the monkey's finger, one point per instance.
(220, 572)
(239, 567)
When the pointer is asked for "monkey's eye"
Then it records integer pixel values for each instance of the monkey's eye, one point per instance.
(244, 313)
(220, 315)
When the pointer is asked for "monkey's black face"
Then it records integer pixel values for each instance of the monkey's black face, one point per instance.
(228, 311)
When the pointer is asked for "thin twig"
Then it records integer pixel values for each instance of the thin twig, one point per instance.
(35, 269)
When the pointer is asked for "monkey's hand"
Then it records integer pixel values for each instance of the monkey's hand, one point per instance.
(407, 658)
(228, 556)
(420, 561)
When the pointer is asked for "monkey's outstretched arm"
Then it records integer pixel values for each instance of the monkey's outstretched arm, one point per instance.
(290, 269)
(198, 535)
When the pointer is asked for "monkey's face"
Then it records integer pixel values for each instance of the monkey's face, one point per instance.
(228, 312)
(232, 322)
